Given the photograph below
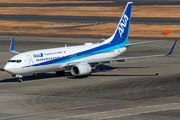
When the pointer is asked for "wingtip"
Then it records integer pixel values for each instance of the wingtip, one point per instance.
(171, 50)
(11, 49)
(12, 45)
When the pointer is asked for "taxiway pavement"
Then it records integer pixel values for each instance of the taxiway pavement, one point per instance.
(90, 19)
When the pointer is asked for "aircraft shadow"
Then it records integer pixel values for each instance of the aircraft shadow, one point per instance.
(99, 68)
(124, 75)
(104, 68)
(2, 69)
(33, 77)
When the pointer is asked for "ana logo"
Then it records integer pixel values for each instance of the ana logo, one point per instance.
(123, 24)
(38, 55)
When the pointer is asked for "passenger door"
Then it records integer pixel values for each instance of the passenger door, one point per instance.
(30, 60)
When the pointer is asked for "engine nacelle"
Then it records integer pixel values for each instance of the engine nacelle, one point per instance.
(81, 69)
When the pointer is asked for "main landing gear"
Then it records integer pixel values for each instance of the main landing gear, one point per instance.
(60, 73)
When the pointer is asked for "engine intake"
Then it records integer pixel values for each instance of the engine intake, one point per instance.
(81, 69)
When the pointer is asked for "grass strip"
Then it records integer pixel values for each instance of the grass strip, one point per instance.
(38, 24)
(156, 11)
(102, 30)
(48, 1)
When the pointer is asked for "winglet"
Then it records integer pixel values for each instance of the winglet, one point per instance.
(172, 48)
(11, 49)
(12, 45)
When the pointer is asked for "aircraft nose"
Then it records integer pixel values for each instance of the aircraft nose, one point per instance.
(8, 68)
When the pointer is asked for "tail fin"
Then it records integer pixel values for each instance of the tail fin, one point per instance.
(122, 31)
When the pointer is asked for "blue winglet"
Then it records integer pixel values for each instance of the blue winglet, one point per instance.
(12, 47)
(172, 48)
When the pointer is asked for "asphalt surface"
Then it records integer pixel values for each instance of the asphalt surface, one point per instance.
(89, 19)
(115, 3)
(128, 90)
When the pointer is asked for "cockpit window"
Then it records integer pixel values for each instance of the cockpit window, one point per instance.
(15, 61)
(18, 61)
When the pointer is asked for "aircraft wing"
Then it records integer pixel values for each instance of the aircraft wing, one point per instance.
(124, 59)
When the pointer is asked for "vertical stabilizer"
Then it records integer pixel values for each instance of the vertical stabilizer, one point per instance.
(122, 31)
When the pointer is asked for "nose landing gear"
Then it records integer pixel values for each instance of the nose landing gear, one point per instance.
(19, 77)
(20, 80)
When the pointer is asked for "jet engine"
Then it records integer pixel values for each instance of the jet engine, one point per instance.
(81, 69)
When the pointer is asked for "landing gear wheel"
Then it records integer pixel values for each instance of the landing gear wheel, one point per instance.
(20, 80)
(60, 73)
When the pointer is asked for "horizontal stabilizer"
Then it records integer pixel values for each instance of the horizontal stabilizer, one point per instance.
(103, 39)
(143, 43)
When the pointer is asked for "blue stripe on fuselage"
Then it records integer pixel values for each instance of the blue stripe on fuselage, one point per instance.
(105, 47)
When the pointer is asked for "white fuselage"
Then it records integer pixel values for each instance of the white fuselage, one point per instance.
(56, 59)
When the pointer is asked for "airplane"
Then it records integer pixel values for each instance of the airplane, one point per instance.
(78, 59)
